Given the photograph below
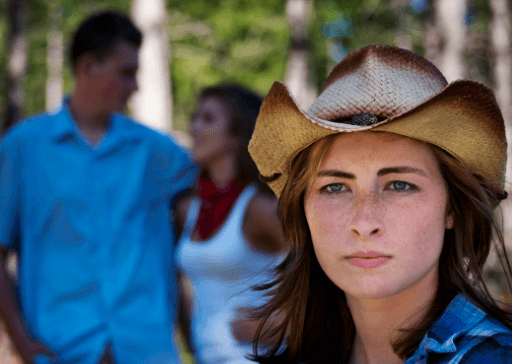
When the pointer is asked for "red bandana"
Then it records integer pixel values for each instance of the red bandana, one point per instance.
(215, 204)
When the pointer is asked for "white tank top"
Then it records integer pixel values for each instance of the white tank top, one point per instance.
(222, 270)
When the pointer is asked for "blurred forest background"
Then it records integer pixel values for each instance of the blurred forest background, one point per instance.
(196, 43)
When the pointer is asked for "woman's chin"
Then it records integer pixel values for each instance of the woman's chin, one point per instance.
(370, 290)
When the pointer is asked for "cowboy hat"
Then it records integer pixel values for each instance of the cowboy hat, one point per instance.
(384, 88)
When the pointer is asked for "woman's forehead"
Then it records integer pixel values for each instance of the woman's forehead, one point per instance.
(375, 148)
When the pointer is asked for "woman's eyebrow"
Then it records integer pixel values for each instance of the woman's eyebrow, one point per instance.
(336, 173)
(342, 174)
(389, 170)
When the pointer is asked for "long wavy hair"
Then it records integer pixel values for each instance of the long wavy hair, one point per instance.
(315, 322)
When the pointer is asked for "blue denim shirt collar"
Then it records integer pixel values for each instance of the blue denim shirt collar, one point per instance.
(459, 317)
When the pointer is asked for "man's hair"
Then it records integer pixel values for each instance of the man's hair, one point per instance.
(99, 35)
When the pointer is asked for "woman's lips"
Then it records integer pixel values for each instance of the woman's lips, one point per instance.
(368, 259)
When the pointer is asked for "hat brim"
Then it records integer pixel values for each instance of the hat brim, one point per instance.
(463, 119)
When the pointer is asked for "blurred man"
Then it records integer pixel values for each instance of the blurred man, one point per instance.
(85, 196)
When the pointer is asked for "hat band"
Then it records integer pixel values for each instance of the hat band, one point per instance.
(362, 119)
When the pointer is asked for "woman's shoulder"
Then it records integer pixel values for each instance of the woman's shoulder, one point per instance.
(488, 342)
(262, 228)
(262, 205)
(466, 334)
(496, 348)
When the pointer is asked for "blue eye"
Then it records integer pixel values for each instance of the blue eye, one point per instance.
(400, 186)
(334, 187)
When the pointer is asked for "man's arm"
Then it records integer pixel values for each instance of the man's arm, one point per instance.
(10, 313)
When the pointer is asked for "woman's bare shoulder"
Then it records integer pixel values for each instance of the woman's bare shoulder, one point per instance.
(262, 228)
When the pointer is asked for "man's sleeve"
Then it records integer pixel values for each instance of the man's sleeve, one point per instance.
(10, 186)
(184, 171)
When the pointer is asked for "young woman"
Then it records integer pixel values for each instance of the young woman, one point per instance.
(387, 188)
(230, 234)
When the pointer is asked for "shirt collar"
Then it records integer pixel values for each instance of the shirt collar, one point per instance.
(460, 316)
(64, 127)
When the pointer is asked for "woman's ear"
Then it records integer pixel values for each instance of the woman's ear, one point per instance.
(449, 222)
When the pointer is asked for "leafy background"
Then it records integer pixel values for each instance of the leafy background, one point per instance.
(249, 42)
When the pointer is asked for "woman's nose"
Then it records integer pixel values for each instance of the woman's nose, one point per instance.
(367, 220)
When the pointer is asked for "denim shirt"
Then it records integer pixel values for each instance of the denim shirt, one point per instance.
(464, 334)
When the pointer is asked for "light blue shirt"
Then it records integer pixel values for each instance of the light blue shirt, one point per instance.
(92, 226)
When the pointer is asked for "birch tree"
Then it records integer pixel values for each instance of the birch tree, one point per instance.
(502, 73)
(54, 57)
(152, 103)
(403, 34)
(500, 36)
(297, 69)
(449, 17)
(16, 61)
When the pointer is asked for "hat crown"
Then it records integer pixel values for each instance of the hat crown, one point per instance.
(380, 80)
(385, 89)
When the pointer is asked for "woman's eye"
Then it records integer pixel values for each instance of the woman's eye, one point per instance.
(400, 186)
(129, 73)
(334, 187)
(208, 118)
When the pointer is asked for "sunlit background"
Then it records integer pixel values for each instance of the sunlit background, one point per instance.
(196, 43)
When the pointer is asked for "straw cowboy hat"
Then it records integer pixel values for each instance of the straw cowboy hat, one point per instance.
(384, 88)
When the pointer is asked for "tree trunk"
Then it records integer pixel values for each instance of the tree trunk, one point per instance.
(152, 103)
(297, 69)
(449, 18)
(432, 39)
(501, 42)
(16, 62)
(403, 31)
(54, 57)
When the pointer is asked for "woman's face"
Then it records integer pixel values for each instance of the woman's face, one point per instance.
(377, 213)
(210, 130)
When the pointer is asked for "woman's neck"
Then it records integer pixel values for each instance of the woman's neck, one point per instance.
(223, 170)
(378, 321)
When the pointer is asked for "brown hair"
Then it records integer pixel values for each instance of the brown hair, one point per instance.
(316, 324)
(244, 106)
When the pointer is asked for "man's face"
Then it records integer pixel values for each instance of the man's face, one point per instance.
(114, 79)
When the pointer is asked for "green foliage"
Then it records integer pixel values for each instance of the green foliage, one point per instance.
(36, 71)
(212, 41)
(73, 12)
(478, 53)
(3, 58)
(348, 25)
(236, 41)
(242, 41)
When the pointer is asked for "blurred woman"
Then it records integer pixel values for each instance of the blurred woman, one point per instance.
(387, 187)
(230, 236)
